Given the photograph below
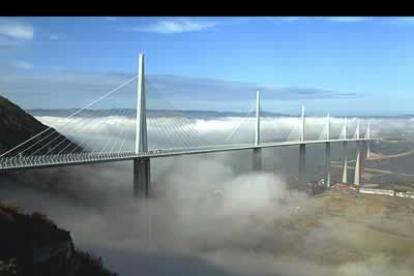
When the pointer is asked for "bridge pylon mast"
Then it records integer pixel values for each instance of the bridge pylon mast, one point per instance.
(257, 134)
(141, 144)
(257, 152)
(357, 130)
(368, 136)
(302, 154)
(142, 171)
(357, 171)
(328, 154)
(345, 152)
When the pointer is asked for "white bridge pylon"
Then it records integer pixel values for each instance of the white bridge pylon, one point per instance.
(50, 149)
(142, 167)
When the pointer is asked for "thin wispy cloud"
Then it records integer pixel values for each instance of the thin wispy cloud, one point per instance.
(334, 19)
(409, 20)
(402, 20)
(53, 37)
(214, 89)
(16, 30)
(6, 42)
(77, 88)
(57, 68)
(24, 65)
(284, 19)
(290, 18)
(348, 19)
(174, 26)
(110, 18)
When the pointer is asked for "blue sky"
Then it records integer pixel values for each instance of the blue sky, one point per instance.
(345, 65)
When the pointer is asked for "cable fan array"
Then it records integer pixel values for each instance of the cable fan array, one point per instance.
(174, 128)
(77, 132)
(105, 128)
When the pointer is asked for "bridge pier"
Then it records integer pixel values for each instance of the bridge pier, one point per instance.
(345, 164)
(257, 160)
(302, 168)
(328, 165)
(345, 150)
(363, 159)
(368, 143)
(142, 177)
(302, 154)
(357, 172)
(328, 153)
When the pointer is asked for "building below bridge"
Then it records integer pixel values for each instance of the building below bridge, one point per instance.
(375, 189)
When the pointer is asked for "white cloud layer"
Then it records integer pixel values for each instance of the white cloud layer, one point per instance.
(207, 213)
(404, 20)
(174, 26)
(334, 19)
(53, 37)
(110, 18)
(22, 65)
(175, 132)
(348, 19)
(16, 30)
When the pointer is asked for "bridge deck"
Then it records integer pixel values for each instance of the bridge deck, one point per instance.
(18, 163)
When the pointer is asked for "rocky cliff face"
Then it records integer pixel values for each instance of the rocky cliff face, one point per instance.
(31, 244)
(17, 126)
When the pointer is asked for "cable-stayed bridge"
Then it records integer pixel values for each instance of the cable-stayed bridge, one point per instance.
(48, 148)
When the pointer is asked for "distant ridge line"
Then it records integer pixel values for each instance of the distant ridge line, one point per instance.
(150, 112)
(190, 113)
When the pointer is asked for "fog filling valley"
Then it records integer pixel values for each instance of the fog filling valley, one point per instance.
(207, 214)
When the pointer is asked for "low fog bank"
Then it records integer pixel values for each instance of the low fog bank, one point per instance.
(203, 218)
(173, 132)
(207, 215)
(197, 205)
(190, 196)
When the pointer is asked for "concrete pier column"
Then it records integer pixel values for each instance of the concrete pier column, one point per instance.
(328, 153)
(363, 160)
(357, 171)
(257, 160)
(345, 164)
(142, 177)
(302, 168)
(302, 154)
(368, 143)
(328, 164)
(345, 152)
